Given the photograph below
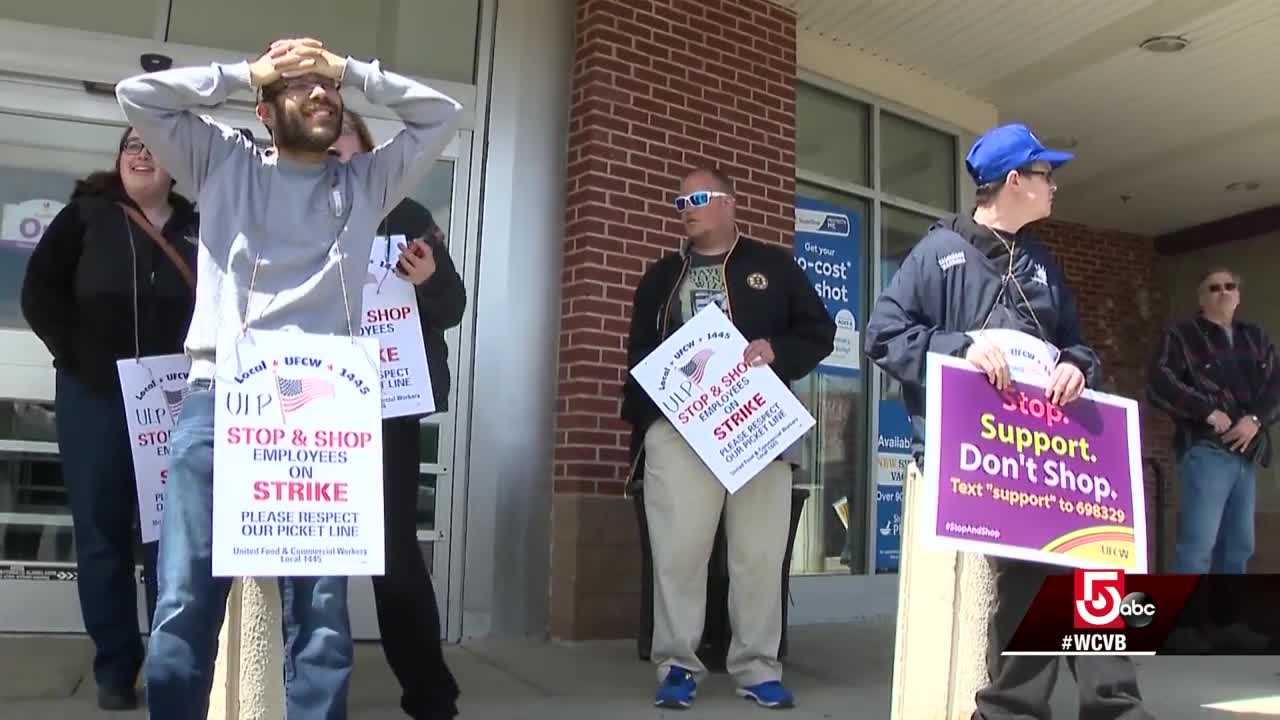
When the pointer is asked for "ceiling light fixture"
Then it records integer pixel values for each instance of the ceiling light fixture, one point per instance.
(1164, 44)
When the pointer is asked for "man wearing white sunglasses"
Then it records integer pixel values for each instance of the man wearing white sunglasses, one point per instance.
(770, 300)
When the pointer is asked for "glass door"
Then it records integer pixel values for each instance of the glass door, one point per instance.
(443, 191)
(44, 149)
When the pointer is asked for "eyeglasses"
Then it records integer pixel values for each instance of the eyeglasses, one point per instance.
(133, 146)
(1223, 287)
(1047, 174)
(701, 198)
(299, 85)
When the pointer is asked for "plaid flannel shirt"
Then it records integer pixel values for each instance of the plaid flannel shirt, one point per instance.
(1199, 368)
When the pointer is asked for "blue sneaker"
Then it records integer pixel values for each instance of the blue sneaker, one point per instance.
(677, 691)
(772, 695)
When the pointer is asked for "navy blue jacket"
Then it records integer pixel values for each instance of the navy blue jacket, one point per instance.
(949, 285)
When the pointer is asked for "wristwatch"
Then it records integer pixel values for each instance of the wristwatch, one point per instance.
(1255, 420)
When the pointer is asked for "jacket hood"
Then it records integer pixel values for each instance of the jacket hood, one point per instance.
(980, 236)
(113, 192)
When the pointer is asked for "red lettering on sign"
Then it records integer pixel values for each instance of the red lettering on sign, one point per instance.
(254, 436)
(380, 315)
(739, 416)
(297, 491)
(342, 439)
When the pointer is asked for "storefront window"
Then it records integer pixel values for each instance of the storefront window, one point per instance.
(832, 135)
(900, 230)
(852, 521)
(832, 533)
(429, 38)
(917, 162)
(40, 160)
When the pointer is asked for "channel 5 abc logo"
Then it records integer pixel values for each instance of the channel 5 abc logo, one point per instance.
(1102, 604)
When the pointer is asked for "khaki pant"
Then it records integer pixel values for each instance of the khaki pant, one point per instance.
(683, 501)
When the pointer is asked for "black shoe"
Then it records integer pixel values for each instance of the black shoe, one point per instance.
(113, 699)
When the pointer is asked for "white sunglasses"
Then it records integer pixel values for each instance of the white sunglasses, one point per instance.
(701, 198)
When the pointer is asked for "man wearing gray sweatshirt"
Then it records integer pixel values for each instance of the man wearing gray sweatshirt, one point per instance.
(279, 230)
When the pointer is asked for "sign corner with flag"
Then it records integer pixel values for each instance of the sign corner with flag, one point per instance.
(737, 418)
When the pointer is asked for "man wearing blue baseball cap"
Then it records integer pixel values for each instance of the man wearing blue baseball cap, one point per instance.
(988, 270)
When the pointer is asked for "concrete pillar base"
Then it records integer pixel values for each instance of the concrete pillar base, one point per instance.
(248, 679)
(945, 600)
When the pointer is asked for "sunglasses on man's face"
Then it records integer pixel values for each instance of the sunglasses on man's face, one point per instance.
(1223, 287)
(701, 198)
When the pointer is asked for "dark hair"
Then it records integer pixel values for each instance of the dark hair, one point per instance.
(986, 194)
(362, 129)
(1235, 277)
(105, 182)
(717, 175)
(109, 182)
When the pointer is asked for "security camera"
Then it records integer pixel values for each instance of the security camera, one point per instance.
(155, 62)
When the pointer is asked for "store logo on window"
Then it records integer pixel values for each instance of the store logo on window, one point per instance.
(23, 223)
(822, 223)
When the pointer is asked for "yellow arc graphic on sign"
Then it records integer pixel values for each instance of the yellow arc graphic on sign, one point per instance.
(1104, 544)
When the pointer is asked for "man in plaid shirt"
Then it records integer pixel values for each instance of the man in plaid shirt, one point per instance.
(1216, 376)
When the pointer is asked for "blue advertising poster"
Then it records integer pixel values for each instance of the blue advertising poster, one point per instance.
(827, 248)
(892, 455)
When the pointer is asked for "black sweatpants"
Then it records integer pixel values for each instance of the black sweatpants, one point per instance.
(1020, 686)
(408, 617)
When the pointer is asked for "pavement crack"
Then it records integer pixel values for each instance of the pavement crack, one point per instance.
(493, 664)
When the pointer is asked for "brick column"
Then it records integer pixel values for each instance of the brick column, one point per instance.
(1123, 309)
(659, 87)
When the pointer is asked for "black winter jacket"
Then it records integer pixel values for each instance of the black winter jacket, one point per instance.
(949, 285)
(442, 299)
(92, 266)
(768, 297)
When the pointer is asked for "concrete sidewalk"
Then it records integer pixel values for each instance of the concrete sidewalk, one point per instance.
(836, 671)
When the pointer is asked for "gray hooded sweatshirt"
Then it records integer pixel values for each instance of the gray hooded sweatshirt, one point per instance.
(306, 226)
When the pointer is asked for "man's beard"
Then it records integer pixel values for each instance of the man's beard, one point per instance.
(295, 132)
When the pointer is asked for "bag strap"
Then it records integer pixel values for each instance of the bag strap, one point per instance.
(141, 221)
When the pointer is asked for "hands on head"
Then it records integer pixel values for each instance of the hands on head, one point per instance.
(295, 57)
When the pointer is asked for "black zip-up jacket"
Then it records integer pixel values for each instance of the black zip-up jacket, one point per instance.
(768, 297)
(442, 299)
(949, 285)
(1198, 369)
(84, 275)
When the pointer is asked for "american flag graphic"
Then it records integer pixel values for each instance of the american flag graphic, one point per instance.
(174, 399)
(697, 366)
(296, 393)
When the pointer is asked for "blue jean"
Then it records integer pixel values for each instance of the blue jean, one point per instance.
(192, 602)
(97, 469)
(1215, 512)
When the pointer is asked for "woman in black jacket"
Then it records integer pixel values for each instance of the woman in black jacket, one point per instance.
(100, 288)
(408, 616)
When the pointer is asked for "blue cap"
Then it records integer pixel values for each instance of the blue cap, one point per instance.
(1009, 147)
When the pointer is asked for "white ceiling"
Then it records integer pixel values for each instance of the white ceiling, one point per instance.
(1168, 132)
